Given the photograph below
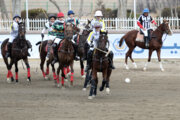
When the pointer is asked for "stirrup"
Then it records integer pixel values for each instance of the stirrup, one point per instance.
(7, 55)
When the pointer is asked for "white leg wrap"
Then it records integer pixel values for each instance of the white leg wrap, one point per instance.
(161, 67)
(145, 66)
(135, 66)
(126, 66)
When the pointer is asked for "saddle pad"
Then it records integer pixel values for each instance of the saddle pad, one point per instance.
(140, 37)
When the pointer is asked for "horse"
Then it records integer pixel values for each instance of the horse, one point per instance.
(82, 46)
(42, 54)
(66, 53)
(154, 44)
(19, 51)
(100, 63)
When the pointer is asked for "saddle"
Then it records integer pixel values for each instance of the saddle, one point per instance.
(60, 45)
(140, 36)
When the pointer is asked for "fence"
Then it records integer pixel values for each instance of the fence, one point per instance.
(111, 23)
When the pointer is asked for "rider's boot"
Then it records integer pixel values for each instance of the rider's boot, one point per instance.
(146, 42)
(55, 53)
(8, 53)
(75, 52)
(111, 63)
(89, 60)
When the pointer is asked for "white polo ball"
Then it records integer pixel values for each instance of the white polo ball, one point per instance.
(127, 80)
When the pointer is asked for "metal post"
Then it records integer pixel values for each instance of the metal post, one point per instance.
(69, 4)
(27, 18)
(135, 14)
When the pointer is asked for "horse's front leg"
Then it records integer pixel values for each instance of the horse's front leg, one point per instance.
(149, 59)
(28, 69)
(16, 70)
(159, 59)
(82, 68)
(104, 79)
(54, 71)
(57, 77)
(72, 73)
(108, 79)
(93, 84)
(9, 74)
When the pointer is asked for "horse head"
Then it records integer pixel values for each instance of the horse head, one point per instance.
(103, 40)
(164, 27)
(69, 31)
(22, 30)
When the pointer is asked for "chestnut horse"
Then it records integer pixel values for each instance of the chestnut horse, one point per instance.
(100, 63)
(154, 44)
(66, 53)
(19, 51)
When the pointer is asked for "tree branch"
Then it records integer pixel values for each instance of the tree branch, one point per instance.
(55, 3)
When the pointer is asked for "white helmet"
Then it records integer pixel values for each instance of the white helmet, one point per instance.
(98, 13)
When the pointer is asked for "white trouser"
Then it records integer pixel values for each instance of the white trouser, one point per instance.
(51, 37)
(145, 32)
(57, 40)
(11, 38)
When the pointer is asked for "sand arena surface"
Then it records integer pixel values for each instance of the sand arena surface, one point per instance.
(151, 95)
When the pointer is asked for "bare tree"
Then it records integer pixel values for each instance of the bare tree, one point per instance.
(3, 10)
(81, 9)
(122, 8)
(16, 7)
(55, 4)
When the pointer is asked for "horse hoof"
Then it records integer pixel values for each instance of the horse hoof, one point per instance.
(58, 85)
(144, 69)
(108, 91)
(90, 97)
(29, 80)
(83, 76)
(93, 96)
(84, 89)
(101, 89)
(88, 85)
(46, 78)
(126, 66)
(162, 70)
(8, 80)
(68, 74)
(17, 81)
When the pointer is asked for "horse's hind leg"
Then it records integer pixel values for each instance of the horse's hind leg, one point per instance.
(57, 77)
(54, 72)
(47, 69)
(28, 69)
(16, 71)
(159, 59)
(128, 54)
(42, 66)
(108, 79)
(93, 84)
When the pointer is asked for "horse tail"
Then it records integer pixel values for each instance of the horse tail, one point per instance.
(38, 43)
(121, 40)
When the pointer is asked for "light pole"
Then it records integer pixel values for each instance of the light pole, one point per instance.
(135, 14)
(27, 19)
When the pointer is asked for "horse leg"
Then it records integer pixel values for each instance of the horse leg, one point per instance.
(57, 77)
(54, 71)
(87, 79)
(16, 70)
(93, 84)
(42, 66)
(95, 89)
(159, 59)
(130, 56)
(28, 69)
(126, 58)
(10, 75)
(104, 79)
(149, 59)
(108, 79)
(82, 68)
(72, 73)
(47, 69)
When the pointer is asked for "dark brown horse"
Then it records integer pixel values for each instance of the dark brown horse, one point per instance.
(43, 53)
(83, 46)
(19, 51)
(100, 63)
(66, 53)
(154, 44)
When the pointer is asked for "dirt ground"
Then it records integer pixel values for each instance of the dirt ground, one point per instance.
(151, 95)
